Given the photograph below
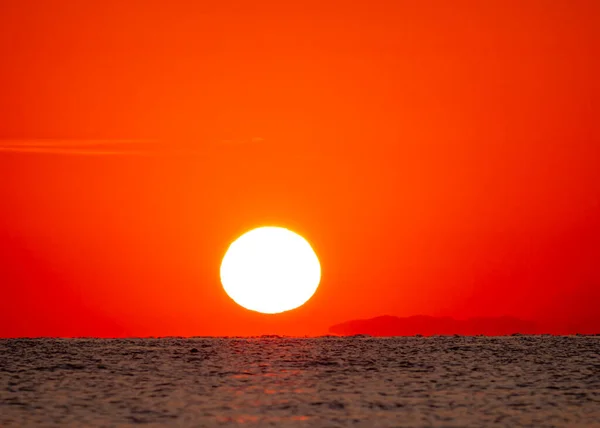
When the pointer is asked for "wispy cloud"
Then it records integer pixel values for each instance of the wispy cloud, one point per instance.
(77, 147)
(72, 152)
(70, 143)
(109, 147)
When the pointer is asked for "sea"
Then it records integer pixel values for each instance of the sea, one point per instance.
(533, 381)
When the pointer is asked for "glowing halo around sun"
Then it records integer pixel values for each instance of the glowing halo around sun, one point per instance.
(270, 270)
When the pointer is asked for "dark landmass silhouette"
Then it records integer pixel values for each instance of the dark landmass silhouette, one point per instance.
(429, 326)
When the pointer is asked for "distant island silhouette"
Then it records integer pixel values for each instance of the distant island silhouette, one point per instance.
(428, 326)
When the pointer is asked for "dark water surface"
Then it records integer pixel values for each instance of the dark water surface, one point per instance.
(366, 382)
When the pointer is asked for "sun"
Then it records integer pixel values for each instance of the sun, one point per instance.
(270, 270)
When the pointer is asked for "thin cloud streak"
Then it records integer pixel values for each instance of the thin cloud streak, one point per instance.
(71, 143)
(105, 147)
(72, 152)
(85, 147)
(76, 147)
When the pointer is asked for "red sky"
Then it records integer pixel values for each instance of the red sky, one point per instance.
(442, 158)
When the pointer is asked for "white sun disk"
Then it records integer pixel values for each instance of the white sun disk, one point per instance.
(270, 270)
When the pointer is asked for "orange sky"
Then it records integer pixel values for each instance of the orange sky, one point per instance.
(442, 158)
